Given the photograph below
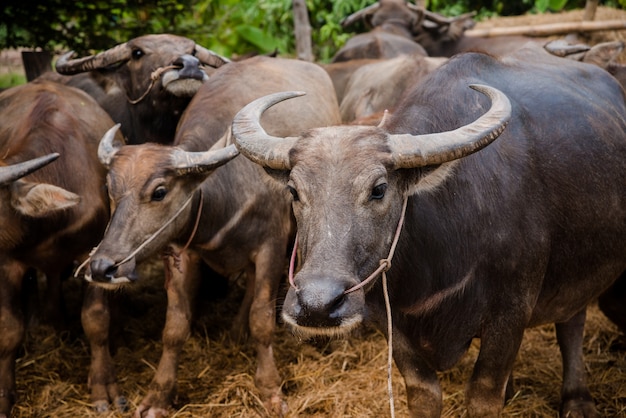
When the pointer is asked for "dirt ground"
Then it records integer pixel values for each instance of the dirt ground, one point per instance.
(343, 378)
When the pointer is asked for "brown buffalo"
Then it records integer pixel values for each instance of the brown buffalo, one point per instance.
(176, 201)
(145, 83)
(393, 27)
(497, 238)
(54, 216)
(376, 86)
(438, 35)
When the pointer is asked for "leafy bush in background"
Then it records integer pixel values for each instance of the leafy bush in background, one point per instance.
(230, 27)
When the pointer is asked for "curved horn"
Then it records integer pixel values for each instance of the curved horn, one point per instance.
(210, 58)
(13, 172)
(410, 151)
(347, 21)
(442, 20)
(106, 148)
(186, 162)
(67, 66)
(252, 140)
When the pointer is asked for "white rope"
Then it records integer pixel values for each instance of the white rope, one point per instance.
(143, 244)
(153, 236)
(392, 409)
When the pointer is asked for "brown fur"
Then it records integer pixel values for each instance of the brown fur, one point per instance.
(244, 226)
(153, 119)
(36, 119)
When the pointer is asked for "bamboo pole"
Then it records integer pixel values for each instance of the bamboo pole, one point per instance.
(548, 29)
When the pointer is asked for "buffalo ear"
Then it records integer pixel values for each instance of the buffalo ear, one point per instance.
(277, 178)
(40, 199)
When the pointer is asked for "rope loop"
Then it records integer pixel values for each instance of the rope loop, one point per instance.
(387, 263)
(154, 76)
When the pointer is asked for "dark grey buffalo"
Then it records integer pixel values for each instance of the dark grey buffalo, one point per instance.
(176, 200)
(524, 232)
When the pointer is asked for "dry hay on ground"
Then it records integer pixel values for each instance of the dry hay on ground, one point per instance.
(341, 378)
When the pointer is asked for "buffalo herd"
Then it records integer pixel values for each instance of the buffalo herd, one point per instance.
(436, 187)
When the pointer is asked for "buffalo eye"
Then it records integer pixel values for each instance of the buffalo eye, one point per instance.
(378, 192)
(159, 194)
(137, 53)
(294, 193)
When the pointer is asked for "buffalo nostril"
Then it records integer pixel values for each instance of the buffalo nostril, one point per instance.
(335, 306)
(102, 269)
(190, 67)
(110, 272)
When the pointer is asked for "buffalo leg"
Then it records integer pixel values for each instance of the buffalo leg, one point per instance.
(422, 384)
(266, 278)
(96, 318)
(576, 400)
(487, 387)
(11, 330)
(182, 273)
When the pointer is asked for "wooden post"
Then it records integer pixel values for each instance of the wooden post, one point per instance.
(36, 63)
(549, 29)
(302, 29)
(590, 9)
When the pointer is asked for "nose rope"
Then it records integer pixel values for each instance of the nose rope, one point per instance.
(292, 263)
(384, 265)
(153, 78)
(150, 238)
(157, 232)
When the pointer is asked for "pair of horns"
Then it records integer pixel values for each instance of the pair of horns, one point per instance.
(183, 162)
(121, 53)
(408, 151)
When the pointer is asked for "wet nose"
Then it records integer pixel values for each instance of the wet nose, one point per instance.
(103, 269)
(319, 303)
(190, 67)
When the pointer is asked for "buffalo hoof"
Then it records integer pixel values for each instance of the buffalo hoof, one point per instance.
(276, 406)
(150, 412)
(121, 404)
(101, 407)
(579, 408)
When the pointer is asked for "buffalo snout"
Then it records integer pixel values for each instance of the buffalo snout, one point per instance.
(190, 67)
(105, 270)
(321, 304)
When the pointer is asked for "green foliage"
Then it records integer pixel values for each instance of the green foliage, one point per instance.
(229, 27)
(11, 79)
(85, 25)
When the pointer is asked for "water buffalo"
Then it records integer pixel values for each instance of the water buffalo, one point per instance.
(145, 83)
(437, 35)
(524, 232)
(393, 26)
(174, 200)
(375, 86)
(53, 217)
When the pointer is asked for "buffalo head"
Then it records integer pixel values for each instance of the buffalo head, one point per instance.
(348, 184)
(178, 64)
(151, 188)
